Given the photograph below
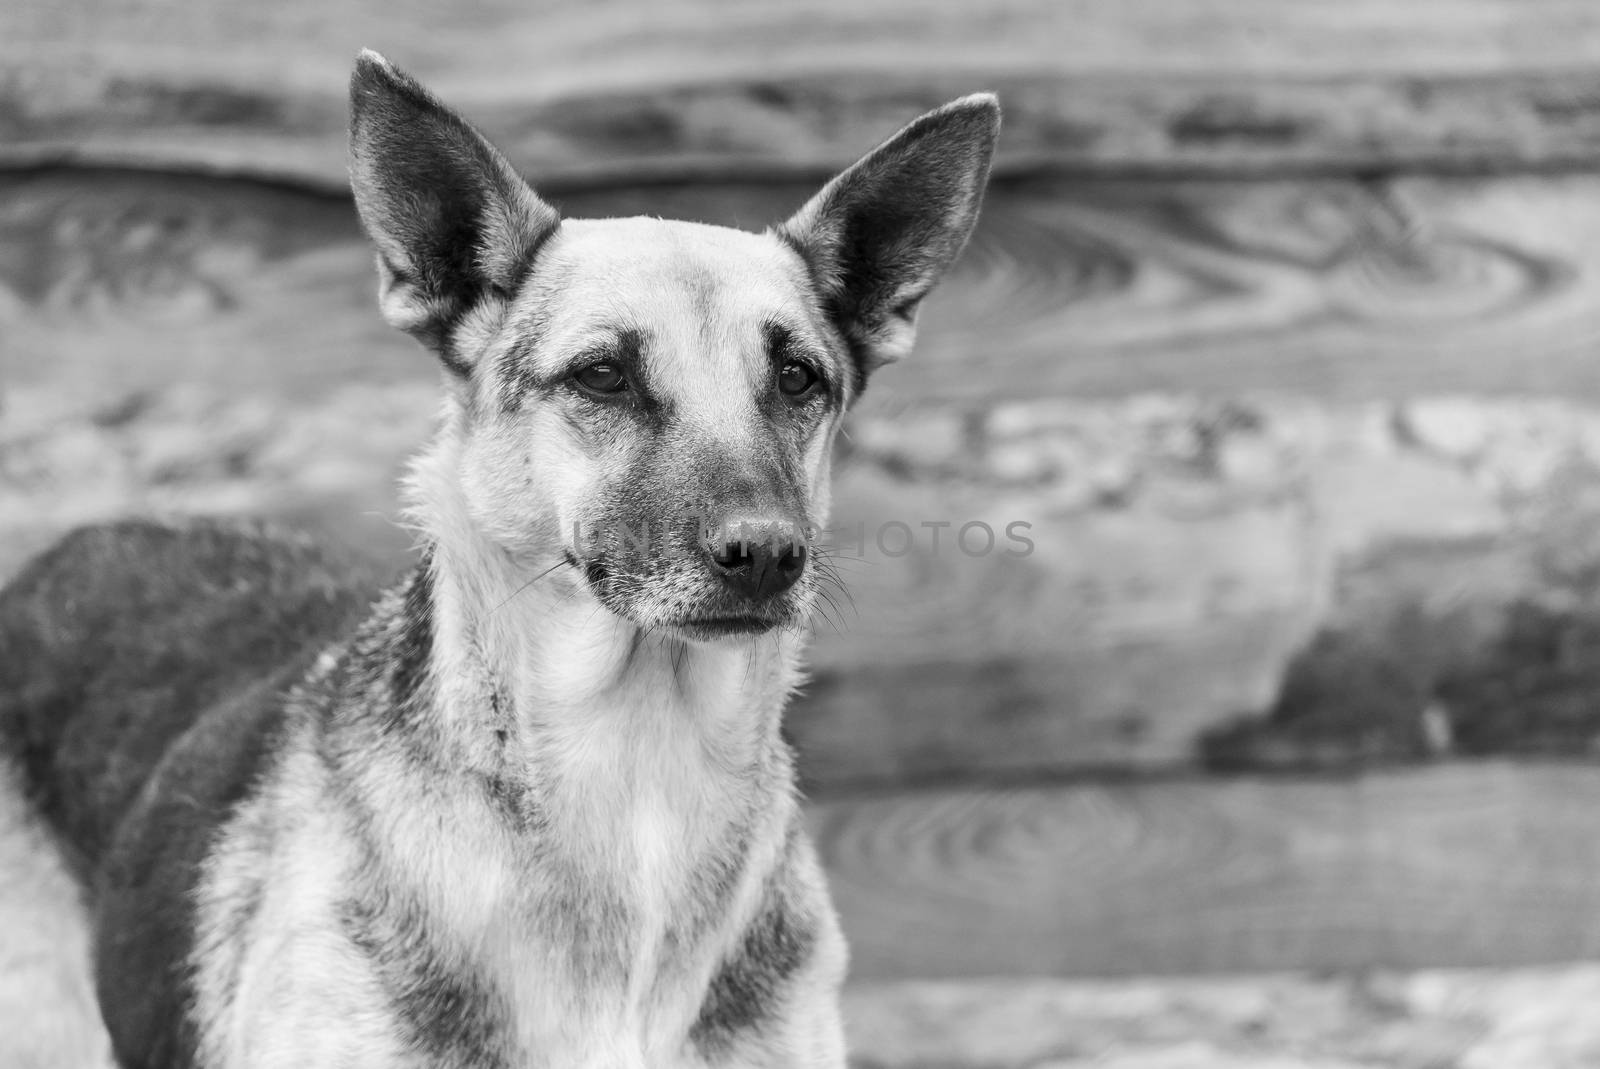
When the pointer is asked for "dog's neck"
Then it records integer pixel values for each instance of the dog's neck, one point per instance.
(597, 794)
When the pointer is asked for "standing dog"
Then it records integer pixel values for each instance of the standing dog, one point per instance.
(530, 807)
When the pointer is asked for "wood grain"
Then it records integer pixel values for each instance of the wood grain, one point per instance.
(1325, 289)
(698, 87)
(1536, 1018)
(1461, 865)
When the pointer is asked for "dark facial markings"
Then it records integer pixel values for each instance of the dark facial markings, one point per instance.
(613, 372)
(622, 355)
(802, 377)
(607, 371)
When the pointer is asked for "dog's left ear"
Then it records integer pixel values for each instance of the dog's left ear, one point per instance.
(881, 234)
(453, 221)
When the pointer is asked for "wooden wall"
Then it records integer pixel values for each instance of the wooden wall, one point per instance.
(1283, 318)
(700, 87)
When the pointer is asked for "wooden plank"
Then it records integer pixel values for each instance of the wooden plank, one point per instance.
(1486, 864)
(695, 87)
(1336, 290)
(1537, 1018)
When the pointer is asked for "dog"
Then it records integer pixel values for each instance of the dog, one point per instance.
(530, 804)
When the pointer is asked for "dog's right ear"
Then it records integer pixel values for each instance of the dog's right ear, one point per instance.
(454, 224)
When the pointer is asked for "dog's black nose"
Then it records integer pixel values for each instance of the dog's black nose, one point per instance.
(758, 560)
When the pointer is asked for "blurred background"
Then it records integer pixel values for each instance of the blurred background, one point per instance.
(1281, 329)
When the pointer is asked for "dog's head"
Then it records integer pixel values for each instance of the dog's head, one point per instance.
(653, 402)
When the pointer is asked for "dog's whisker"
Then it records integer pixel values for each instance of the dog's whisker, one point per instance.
(515, 593)
(833, 617)
(829, 584)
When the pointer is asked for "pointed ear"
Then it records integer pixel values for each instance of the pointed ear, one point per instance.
(881, 234)
(453, 222)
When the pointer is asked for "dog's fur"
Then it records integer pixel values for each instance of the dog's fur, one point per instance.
(529, 806)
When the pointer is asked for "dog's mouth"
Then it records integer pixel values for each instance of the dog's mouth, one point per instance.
(711, 628)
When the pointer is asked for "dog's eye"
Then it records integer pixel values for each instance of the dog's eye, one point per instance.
(601, 378)
(796, 379)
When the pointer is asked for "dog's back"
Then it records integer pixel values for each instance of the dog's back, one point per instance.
(222, 618)
(141, 667)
